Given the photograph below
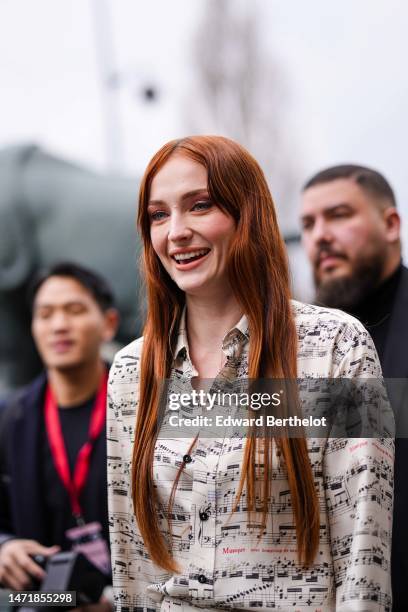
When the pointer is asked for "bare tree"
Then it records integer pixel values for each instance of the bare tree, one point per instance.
(237, 90)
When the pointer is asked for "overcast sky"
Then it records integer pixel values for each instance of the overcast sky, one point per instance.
(344, 66)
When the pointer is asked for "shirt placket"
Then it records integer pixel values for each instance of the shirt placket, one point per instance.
(207, 454)
(204, 515)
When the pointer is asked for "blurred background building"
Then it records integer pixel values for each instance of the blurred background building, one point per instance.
(91, 88)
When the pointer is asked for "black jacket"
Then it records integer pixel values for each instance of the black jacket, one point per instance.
(395, 365)
(22, 512)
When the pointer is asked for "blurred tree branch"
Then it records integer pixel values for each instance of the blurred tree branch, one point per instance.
(238, 90)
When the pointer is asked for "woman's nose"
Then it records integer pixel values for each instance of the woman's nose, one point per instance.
(179, 229)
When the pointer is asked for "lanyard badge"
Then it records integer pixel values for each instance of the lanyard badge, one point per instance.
(84, 537)
(88, 540)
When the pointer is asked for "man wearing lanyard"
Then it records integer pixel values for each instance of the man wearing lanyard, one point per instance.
(52, 433)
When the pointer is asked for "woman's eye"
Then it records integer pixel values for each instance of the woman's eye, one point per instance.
(157, 215)
(203, 205)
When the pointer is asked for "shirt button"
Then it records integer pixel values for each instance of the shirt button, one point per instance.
(202, 579)
(204, 516)
(187, 459)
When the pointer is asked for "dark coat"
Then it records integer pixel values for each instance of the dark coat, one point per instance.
(22, 511)
(395, 365)
(395, 362)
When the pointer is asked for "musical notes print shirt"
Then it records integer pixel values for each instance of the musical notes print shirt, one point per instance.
(224, 564)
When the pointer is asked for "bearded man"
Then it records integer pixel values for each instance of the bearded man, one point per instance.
(351, 234)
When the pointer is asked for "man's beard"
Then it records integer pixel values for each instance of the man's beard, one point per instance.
(347, 292)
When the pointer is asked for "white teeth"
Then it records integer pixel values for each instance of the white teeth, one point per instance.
(182, 256)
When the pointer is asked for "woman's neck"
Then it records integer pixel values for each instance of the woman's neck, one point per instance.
(74, 386)
(209, 320)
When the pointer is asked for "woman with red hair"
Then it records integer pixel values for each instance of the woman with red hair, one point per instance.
(241, 522)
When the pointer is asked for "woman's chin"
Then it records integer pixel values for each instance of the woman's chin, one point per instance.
(189, 282)
(196, 289)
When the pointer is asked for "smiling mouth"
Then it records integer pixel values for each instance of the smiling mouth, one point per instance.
(186, 258)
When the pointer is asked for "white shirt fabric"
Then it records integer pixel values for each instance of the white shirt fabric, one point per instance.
(224, 564)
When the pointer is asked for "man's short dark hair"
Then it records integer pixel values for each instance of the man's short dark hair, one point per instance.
(93, 282)
(368, 179)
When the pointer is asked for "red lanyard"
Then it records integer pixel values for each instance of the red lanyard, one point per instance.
(74, 485)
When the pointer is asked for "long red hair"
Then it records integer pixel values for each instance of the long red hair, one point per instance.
(259, 276)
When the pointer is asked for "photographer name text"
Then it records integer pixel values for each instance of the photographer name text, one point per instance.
(260, 421)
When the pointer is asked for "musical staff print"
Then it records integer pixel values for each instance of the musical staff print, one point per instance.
(227, 561)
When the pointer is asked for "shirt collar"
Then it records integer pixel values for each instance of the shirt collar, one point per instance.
(182, 343)
(232, 344)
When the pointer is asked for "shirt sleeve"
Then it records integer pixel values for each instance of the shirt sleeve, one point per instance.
(358, 482)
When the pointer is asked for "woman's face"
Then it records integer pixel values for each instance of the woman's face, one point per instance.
(189, 233)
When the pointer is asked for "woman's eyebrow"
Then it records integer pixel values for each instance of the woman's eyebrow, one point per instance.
(185, 196)
(190, 194)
